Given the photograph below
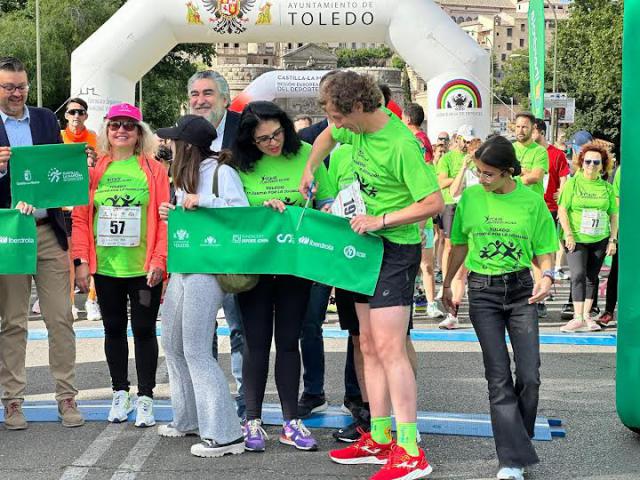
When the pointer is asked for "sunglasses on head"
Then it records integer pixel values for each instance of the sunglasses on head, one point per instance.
(77, 111)
(128, 125)
(595, 163)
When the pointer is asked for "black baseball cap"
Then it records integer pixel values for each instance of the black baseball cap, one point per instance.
(192, 129)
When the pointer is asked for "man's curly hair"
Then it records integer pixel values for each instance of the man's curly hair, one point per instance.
(345, 89)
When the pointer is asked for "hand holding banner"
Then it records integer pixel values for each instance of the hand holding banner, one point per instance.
(49, 176)
(261, 241)
(18, 243)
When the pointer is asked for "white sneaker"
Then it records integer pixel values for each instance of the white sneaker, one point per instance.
(144, 412)
(433, 311)
(210, 449)
(449, 323)
(93, 310)
(510, 473)
(121, 407)
(74, 312)
(170, 431)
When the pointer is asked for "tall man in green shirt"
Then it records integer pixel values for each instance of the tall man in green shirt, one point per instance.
(398, 191)
(534, 160)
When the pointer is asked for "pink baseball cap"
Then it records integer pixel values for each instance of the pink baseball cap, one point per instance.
(124, 110)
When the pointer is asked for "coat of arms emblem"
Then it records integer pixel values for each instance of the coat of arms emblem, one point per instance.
(230, 16)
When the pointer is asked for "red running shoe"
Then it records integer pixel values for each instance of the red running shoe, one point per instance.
(402, 466)
(365, 450)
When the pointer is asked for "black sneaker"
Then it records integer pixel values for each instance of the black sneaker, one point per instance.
(310, 404)
(567, 311)
(351, 403)
(542, 310)
(352, 433)
(595, 312)
(438, 277)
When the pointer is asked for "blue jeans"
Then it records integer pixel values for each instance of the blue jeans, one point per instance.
(497, 303)
(236, 338)
(311, 342)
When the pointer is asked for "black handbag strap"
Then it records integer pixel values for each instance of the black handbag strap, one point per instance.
(214, 185)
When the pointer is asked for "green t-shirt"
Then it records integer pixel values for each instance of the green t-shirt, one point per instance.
(390, 167)
(589, 204)
(450, 163)
(530, 157)
(124, 184)
(503, 231)
(341, 173)
(279, 178)
(616, 183)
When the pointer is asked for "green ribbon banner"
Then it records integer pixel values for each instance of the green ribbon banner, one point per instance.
(18, 243)
(263, 241)
(536, 56)
(50, 176)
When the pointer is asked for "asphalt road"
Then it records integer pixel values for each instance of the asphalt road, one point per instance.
(578, 387)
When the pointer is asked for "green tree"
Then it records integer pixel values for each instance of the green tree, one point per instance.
(363, 57)
(515, 79)
(64, 25)
(590, 65)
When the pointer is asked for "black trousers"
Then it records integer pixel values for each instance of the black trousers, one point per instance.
(496, 304)
(585, 263)
(279, 300)
(612, 285)
(113, 294)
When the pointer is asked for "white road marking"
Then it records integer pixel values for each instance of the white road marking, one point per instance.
(81, 466)
(128, 470)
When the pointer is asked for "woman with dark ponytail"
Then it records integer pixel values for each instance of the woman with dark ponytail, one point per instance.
(500, 228)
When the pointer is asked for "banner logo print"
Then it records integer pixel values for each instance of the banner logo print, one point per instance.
(284, 238)
(27, 175)
(54, 175)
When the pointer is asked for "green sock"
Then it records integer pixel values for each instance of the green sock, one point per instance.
(381, 430)
(407, 437)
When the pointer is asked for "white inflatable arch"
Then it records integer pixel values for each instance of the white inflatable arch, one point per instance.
(107, 66)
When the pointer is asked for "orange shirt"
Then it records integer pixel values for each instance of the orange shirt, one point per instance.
(85, 136)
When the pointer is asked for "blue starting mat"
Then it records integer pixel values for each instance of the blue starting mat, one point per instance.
(429, 423)
(417, 335)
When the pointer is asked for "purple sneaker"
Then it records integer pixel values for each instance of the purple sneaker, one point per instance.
(295, 433)
(254, 435)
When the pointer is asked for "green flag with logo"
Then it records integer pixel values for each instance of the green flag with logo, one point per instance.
(261, 240)
(536, 56)
(18, 243)
(49, 176)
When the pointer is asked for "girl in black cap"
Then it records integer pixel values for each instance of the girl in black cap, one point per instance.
(200, 395)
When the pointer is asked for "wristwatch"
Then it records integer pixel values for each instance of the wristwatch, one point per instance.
(550, 274)
(78, 261)
(613, 240)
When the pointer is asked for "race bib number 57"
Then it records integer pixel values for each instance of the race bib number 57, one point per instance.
(119, 226)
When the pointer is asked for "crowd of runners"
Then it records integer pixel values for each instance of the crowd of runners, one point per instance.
(491, 214)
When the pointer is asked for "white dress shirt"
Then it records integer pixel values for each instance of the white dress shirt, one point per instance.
(216, 145)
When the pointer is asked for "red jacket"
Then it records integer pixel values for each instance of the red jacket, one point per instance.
(82, 239)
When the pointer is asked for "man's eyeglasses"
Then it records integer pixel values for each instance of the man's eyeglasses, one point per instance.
(595, 163)
(9, 88)
(266, 139)
(443, 139)
(77, 111)
(126, 124)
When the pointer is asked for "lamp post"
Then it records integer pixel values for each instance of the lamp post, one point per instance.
(38, 60)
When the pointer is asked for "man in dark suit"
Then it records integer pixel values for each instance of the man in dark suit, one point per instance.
(22, 126)
(209, 97)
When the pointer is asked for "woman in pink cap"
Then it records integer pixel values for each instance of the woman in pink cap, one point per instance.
(120, 239)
